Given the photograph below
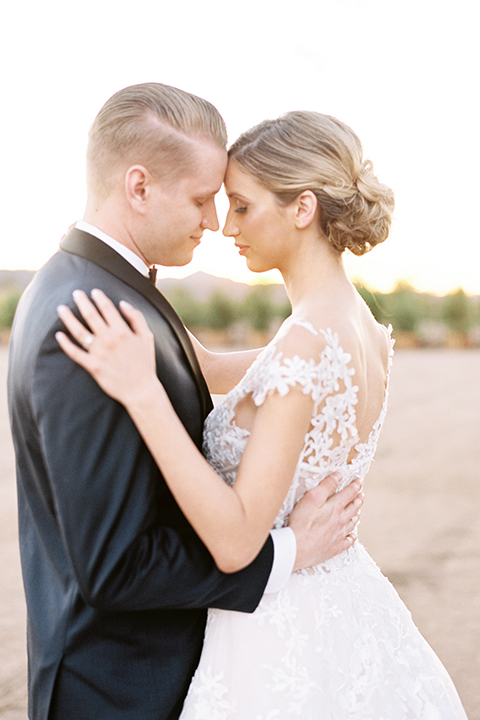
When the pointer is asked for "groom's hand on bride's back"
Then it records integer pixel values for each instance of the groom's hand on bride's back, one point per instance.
(324, 521)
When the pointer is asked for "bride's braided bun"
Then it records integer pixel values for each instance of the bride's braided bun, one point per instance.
(309, 151)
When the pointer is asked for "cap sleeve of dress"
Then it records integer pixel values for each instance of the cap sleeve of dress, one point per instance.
(303, 357)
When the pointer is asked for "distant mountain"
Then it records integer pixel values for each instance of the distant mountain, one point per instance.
(200, 285)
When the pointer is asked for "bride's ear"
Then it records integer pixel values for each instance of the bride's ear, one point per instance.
(306, 205)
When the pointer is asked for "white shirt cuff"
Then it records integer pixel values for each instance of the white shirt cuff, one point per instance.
(284, 556)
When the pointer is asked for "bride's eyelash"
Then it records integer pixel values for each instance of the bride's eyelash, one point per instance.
(241, 209)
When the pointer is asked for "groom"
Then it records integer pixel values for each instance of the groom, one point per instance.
(117, 583)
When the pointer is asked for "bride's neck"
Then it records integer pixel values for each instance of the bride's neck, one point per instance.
(315, 271)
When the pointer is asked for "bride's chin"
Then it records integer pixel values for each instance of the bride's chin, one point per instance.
(257, 267)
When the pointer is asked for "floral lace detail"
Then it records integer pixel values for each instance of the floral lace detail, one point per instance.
(329, 381)
(336, 643)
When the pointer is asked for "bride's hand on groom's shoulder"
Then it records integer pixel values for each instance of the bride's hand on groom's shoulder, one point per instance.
(324, 521)
(118, 352)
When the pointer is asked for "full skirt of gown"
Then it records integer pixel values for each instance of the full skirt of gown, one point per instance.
(338, 644)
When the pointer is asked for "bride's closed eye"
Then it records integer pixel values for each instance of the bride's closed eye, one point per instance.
(241, 210)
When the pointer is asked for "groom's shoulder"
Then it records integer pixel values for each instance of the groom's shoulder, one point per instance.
(65, 272)
(53, 285)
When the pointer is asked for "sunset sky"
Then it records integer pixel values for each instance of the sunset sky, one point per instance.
(403, 73)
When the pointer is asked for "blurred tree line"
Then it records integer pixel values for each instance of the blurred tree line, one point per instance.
(428, 320)
(8, 304)
(259, 309)
(418, 319)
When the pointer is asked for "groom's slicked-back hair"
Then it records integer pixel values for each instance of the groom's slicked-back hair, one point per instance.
(151, 125)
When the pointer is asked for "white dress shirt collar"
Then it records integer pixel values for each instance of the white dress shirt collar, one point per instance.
(125, 252)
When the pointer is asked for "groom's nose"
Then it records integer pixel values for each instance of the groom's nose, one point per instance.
(210, 218)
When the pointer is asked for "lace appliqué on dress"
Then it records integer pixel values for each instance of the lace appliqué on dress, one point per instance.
(336, 643)
(329, 380)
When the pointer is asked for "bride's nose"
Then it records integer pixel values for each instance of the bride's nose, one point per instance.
(230, 228)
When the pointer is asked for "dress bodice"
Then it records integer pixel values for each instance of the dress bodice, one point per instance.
(332, 442)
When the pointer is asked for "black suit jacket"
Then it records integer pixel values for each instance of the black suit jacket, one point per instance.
(117, 582)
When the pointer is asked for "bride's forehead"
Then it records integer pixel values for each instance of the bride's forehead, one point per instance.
(238, 182)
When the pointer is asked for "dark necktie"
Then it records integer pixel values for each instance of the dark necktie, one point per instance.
(152, 274)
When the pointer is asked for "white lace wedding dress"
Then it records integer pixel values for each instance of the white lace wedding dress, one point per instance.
(336, 643)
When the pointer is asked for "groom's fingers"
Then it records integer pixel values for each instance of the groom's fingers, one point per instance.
(351, 494)
(347, 505)
(353, 508)
(325, 489)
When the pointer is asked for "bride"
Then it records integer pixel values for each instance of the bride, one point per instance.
(336, 643)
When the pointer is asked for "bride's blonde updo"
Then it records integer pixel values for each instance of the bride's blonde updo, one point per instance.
(309, 151)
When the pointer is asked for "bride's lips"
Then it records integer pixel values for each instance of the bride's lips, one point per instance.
(242, 249)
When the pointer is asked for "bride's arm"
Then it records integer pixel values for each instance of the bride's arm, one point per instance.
(222, 371)
(233, 522)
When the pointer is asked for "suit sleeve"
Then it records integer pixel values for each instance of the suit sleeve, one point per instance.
(127, 542)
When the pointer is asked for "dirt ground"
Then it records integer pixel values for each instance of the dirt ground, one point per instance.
(421, 520)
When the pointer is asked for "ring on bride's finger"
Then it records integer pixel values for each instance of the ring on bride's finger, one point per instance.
(87, 343)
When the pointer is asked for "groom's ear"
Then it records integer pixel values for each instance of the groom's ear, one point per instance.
(305, 208)
(137, 187)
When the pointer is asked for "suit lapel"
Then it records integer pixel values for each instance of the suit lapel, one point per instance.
(91, 248)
